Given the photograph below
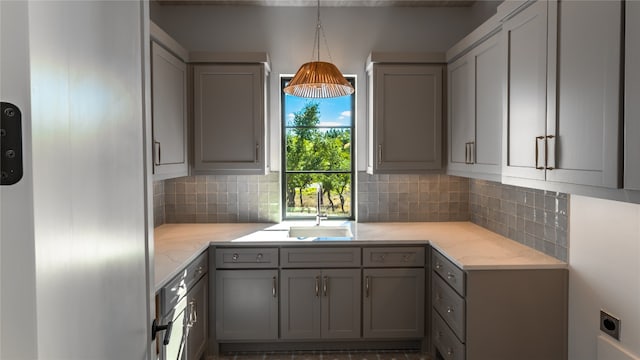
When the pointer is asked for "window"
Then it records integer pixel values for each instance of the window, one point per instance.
(317, 148)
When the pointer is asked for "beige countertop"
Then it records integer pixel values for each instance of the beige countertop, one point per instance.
(469, 246)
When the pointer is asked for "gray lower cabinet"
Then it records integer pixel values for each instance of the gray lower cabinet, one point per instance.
(246, 304)
(184, 303)
(198, 313)
(393, 304)
(320, 304)
(500, 314)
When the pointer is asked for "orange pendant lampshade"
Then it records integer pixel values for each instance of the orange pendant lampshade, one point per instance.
(319, 79)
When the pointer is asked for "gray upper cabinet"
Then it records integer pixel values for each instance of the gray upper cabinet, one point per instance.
(525, 35)
(230, 119)
(169, 113)
(393, 304)
(475, 83)
(404, 118)
(563, 116)
(320, 304)
(246, 304)
(632, 96)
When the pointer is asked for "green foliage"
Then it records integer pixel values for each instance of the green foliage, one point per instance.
(311, 149)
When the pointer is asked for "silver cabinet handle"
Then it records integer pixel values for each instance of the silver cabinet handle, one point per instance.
(550, 152)
(275, 285)
(235, 257)
(406, 258)
(379, 154)
(325, 285)
(366, 286)
(259, 257)
(317, 286)
(449, 352)
(450, 276)
(157, 159)
(449, 309)
(538, 138)
(438, 266)
(193, 313)
(468, 152)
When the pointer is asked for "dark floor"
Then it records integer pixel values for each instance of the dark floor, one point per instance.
(325, 355)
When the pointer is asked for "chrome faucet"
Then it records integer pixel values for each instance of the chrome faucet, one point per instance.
(319, 215)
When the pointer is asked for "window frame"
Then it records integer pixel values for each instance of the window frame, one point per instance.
(284, 79)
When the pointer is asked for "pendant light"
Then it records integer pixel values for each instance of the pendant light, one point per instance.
(319, 79)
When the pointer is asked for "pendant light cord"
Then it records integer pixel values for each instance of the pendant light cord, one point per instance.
(316, 38)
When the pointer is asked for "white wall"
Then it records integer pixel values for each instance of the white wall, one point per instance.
(604, 257)
(287, 35)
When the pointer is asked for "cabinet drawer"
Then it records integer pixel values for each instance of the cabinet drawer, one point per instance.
(171, 293)
(452, 274)
(320, 257)
(450, 306)
(393, 257)
(244, 258)
(445, 341)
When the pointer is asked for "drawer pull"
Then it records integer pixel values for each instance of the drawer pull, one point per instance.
(259, 257)
(438, 297)
(317, 286)
(438, 334)
(366, 286)
(449, 309)
(325, 285)
(450, 276)
(405, 258)
(235, 257)
(275, 285)
(438, 266)
(449, 352)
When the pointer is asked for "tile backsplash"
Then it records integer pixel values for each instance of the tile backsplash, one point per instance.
(536, 218)
(412, 198)
(222, 198)
(158, 203)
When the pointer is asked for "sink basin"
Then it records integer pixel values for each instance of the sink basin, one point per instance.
(343, 231)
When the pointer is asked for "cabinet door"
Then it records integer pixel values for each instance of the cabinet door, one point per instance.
(461, 112)
(525, 37)
(246, 304)
(340, 304)
(169, 111)
(489, 62)
(198, 315)
(393, 303)
(407, 118)
(632, 97)
(229, 119)
(300, 304)
(586, 124)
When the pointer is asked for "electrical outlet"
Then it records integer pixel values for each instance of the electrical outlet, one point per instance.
(610, 325)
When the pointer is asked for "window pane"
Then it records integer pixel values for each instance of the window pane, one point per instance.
(327, 149)
(317, 148)
(302, 198)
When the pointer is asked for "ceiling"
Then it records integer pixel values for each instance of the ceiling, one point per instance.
(325, 3)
